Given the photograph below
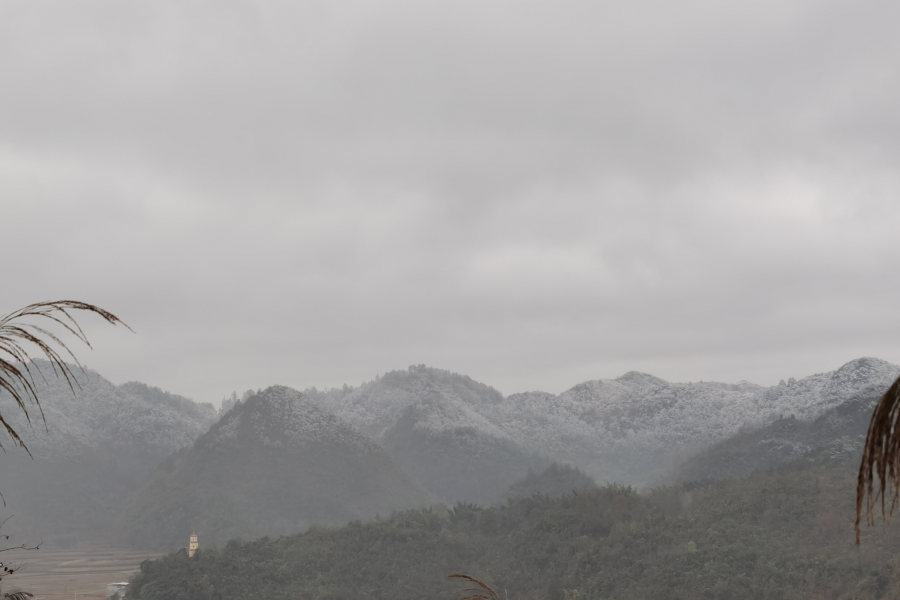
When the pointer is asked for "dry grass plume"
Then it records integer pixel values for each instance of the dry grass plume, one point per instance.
(482, 592)
(17, 334)
(880, 460)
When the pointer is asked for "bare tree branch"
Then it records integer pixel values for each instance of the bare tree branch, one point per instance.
(17, 378)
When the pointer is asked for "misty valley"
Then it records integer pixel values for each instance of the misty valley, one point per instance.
(554, 300)
(628, 488)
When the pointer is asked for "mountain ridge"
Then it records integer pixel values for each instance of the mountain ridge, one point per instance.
(272, 465)
(631, 429)
(839, 431)
(459, 439)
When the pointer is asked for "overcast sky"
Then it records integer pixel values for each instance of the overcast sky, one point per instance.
(531, 193)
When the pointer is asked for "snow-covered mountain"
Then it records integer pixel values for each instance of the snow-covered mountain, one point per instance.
(836, 433)
(454, 437)
(274, 464)
(98, 413)
(95, 447)
(631, 429)
(438, 425)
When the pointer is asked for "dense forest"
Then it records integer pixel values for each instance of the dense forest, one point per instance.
(781, 534)
(554, 481)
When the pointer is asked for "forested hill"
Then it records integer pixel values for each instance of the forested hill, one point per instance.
(555, 481)
(779, 535)
(439, 426)
(840, 431)
(631, 429)
(96, 414)
(273, 464)
(438, 436)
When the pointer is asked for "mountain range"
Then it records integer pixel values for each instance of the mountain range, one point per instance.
(633, 429)
(837, 432)
(274, 464)
(440, 427)
(134, 462)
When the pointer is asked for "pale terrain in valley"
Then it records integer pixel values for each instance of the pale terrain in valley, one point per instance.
(82, 570)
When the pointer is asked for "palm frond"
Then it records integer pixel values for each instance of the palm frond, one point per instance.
(16, 334)
(482, 592)
(18, 596)
(880, 459)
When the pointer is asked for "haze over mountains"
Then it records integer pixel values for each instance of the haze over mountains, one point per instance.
(441, 428)
(631, 429)
(837, 432)
(273, 464)
(96, 447)
(136, 463)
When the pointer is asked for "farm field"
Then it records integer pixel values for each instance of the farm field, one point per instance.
(80, 571)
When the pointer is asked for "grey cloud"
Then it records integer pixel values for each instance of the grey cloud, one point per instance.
(532, 193)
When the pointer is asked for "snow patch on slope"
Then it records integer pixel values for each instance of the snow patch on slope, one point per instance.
(281, 417)
(623, 429)
(100, 413)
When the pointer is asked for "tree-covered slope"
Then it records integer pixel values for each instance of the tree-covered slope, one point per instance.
(274, 464)
(840, 431)
(433, 422)
(635, 428)
(554, 481)
(778, 535)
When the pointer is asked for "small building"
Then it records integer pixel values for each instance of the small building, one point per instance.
(116, 590)
(192, 547)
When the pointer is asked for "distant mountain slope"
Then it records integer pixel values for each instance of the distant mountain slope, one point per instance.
(631, 429)
(376, 406)
(438, 425)
(272, 465)
(555, 481)
(839, 431)
(101, 414)
(98, 446)
(460, 439)
(154, 396)
(455, 461)
(626, 429)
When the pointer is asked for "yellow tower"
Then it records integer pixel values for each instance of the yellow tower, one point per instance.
(192, 548)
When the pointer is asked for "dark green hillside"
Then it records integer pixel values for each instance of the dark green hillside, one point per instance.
(555, 481)
(274, 464)
(779, 535)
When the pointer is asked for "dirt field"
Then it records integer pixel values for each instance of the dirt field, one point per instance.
(81, 571)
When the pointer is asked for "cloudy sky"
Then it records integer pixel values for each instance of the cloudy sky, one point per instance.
(530, 193)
